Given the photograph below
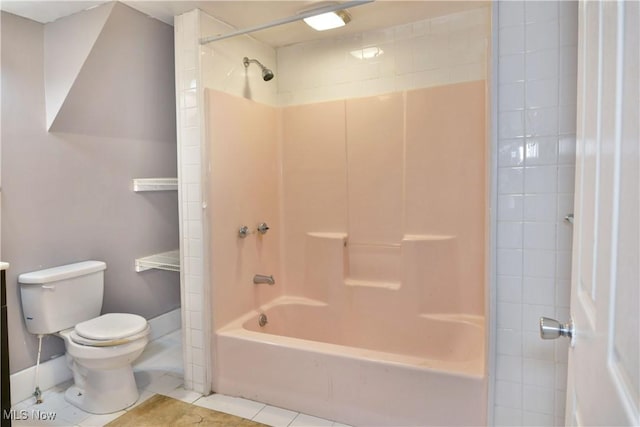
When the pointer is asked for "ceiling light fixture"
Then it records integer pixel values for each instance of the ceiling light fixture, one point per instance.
(329, 20)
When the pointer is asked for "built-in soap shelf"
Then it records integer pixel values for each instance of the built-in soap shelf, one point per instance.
(169, 261)
(372, 284)
(155, 184)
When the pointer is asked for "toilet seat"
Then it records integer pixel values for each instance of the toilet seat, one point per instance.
(110, 329)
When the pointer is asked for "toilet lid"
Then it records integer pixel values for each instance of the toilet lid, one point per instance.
(111, 326)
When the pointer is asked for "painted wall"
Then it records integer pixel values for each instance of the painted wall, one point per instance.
(67, 196)
(536, 156)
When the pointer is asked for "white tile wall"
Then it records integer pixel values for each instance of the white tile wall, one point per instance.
(536, 155)
(444, 50)
(196, 342)
(224, 70)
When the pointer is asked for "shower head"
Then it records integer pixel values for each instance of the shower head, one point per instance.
(267, 74)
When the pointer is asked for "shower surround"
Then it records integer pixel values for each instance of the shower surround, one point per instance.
(375, 191)
(377, 214)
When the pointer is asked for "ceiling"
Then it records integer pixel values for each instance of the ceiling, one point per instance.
(242, 14)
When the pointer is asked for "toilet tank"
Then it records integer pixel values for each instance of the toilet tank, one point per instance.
(58, 298)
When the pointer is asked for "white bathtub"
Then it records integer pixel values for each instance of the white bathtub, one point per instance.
(356, 368)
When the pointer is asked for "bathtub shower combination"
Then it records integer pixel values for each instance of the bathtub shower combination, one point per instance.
(376, 208)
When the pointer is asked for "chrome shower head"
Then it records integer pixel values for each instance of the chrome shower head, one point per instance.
(267, 74)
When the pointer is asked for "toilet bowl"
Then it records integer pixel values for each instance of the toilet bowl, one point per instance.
(66, 301)
(101, 367)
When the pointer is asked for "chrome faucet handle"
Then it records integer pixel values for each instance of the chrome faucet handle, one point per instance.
(263, 228)
(243, 232)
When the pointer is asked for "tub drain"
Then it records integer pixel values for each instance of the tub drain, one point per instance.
(262, 319)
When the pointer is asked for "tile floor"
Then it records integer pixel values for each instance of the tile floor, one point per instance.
(159, 371)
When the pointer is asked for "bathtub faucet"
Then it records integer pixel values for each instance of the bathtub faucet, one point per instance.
(261, 278)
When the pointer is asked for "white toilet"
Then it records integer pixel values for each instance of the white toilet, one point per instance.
(66, 301)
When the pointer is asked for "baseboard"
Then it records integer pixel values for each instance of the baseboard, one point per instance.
(165, 323)
(52, 372)
(55, 371)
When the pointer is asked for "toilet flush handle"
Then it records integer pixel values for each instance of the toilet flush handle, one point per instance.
(50, 287)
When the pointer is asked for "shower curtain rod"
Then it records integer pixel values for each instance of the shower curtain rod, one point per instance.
(282, 21)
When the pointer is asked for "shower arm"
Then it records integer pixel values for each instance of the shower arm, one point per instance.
(287, 20)
(246, 61)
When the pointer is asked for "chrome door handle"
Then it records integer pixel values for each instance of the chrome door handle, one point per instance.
(551, 329)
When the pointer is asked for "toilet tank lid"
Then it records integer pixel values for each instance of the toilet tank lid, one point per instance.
(62, 272)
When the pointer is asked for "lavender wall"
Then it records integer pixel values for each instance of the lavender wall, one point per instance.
(67, 197)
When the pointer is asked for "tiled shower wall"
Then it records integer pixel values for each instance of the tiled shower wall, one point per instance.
(223, 69)
(536, 143)
(432, 52)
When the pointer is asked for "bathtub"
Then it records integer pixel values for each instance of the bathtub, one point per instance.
(356, 368)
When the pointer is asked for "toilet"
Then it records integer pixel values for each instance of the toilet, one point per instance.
(66, 301)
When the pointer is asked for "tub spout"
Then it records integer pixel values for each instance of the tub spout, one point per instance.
(261, 278)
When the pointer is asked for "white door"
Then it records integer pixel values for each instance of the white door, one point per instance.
(604, 362)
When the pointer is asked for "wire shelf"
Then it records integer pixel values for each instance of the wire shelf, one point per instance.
(169, 261)
(155, 184)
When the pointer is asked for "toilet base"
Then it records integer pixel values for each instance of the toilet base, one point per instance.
(104, 391)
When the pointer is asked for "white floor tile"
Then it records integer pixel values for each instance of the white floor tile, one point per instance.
(165, 384)
(146, 377)
(275, 417)
(144, 395)
(174, 338)
(231, 405)
(100, 420)
(303, 420)
(163, 354)
(22, 405)
(30, 422)
(340, 425)
(72, 414)
(63, 386)
(157, 381)
(52, 401)
(41, 415)
(180, 393)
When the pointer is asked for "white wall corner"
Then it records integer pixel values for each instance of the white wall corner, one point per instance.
(67, 44)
